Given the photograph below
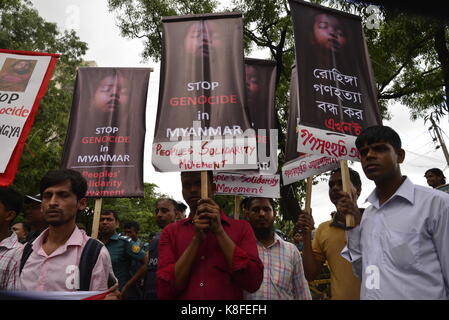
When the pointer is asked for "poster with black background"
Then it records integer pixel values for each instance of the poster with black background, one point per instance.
(298, 165)
(261, 94)
(337, 95)
(106, 133)
(260, 91)
(202, 120)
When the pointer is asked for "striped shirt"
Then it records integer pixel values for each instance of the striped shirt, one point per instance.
(283, 275)
(10, 254)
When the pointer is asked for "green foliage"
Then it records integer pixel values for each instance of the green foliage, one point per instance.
(406, 64)
(143, 19)
(129, 209)
(21, 28)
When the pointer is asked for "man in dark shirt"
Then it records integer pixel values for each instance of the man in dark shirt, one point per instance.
(131, 229)
(122, 250)
(165, 214)
(208, 255)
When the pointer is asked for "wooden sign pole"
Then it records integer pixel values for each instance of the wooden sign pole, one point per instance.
(96, 221)
(308, 205)
(350, 222)
(236, 207)
(204, 185)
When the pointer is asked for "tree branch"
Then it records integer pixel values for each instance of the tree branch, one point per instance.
(399, 94)
(443, 55)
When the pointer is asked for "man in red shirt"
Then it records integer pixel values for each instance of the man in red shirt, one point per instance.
(208, 255)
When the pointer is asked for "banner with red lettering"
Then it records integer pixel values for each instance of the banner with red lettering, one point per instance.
(202, 119)
(337, 95)
(299, 166)
(24, 78)
(106, 134)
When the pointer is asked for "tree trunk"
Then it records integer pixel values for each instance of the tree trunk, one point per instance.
(443, 55)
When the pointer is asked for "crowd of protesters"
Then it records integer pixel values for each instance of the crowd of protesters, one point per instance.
(398, 248)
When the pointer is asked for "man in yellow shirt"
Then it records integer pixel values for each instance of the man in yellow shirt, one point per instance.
(329, 241)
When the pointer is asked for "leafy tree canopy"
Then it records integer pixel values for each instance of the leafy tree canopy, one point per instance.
(21, 28)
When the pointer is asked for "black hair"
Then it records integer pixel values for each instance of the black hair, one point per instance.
(78, 184)
(25, 226)
(173, 202)
(132, 225)
(109, 212)
(247, 202)
(376, 134)
(438, 173)
(181, 207)
(353, 175)
(11, 199)
(210, 174)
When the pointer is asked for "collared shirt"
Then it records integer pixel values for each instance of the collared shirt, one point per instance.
(210, 277)
(401, 248)
(10, 253)
(283, 273)
(123, 251)
(326, 246)
(59, 271)
(136, 264)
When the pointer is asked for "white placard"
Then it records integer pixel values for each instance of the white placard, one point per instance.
(307, 166)
(228, 153)
(327, 143)
(251, 185)
(18, 91)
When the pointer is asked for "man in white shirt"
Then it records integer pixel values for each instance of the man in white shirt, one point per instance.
(400, 247)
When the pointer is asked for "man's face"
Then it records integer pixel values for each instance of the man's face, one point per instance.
(433, 180)
(191, 189)
(5, 216)
(261, 214)
(60, 205)
(165, 213)
(130, 232)
(108, 224)
(328, 32)
(34, 214)
(112, 94)
(336, 186)
(20, 231)
(380, 160)
(203, 38)
(180, 215)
